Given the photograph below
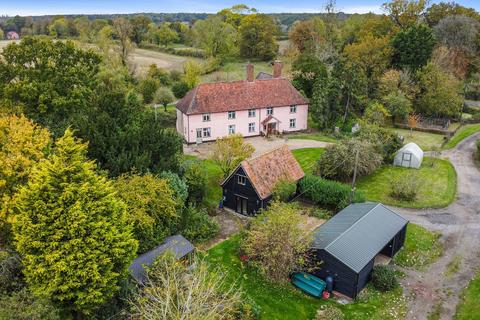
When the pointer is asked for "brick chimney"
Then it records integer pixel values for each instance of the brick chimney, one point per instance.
(277, 69)
(250, 71)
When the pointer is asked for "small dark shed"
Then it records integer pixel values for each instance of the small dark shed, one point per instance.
(177, 244)
(249, 187)
(347, 244)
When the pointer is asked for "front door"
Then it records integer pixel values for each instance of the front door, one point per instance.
(271, 127)
(241, 205)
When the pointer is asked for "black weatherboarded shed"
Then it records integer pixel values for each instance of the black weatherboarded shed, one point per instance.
(348, 243)
(250, 186)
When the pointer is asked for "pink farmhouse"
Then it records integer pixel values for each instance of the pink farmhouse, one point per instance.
(250, 107)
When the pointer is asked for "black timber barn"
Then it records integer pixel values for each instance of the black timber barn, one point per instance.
(249, 187)
(347, 244)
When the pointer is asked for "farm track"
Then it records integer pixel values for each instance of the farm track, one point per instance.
(459, 224)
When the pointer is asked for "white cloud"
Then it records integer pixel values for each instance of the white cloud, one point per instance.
(362, 9)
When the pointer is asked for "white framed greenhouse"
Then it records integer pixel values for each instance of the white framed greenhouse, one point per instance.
(409, 156)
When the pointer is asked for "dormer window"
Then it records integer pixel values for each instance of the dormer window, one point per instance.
(269, 111)
(231, 114)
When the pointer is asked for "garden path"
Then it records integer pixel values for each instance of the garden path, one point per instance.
(436, 288)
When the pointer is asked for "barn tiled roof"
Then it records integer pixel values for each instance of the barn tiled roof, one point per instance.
(240, 95)
(267, 170)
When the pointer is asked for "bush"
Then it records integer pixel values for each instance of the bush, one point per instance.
(329, 312)
(152, 208)
(387, 142)
(180, 89)
(23, 305)
(178, 185)
(284, 190)
(275, 243)
(195, 176)
(147, 88)
(196, 225)
(384, 278)
(327, 193)
(11, 277)
(405, 187)
(338, 160)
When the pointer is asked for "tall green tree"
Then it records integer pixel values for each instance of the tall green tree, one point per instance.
(405, 13)
(257, 37)
(413, 47)
(306, 69)
(139, 25)
(216, 37)
(71, 230)
(440, 93)
(50, 82)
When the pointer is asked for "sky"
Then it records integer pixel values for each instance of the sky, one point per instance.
(48, 7)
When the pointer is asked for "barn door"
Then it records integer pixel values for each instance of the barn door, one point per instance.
(241, 205)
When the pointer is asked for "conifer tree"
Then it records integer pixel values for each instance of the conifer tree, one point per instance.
(71, 230)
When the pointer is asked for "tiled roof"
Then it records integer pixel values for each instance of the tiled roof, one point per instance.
(240, 95)
(267, 170)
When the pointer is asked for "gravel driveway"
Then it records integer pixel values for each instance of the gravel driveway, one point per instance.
(261, 145)
(460, 227)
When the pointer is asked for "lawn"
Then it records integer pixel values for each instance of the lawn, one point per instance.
(308, 157)
(313, 136)
(286, 302)
(469, 307)
(421, 248)
(425, 140)
(437, 189)
(462, 133)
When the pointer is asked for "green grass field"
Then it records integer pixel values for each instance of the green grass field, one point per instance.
(308, 157)
(437, 189)
(425, 140)
(286, 302)
(421, 248)
(469, 307)
(462, 133)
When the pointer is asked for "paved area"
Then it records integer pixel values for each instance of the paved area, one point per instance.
(261, 145)
(459, 224)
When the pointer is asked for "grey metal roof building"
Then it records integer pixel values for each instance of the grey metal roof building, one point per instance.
(348, 243)
(177, 244)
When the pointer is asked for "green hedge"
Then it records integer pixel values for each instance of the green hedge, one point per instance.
(328, 193)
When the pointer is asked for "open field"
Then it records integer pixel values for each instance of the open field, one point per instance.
(437, 189)
(143, 58)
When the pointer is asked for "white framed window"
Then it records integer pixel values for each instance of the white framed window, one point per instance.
(241, 180)
(231, 114)
(252, 113)
(269, 111)
(206, 132)
(293, 123)
(293, 109)
(206, 117)
(231, 129)
(251, 127)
